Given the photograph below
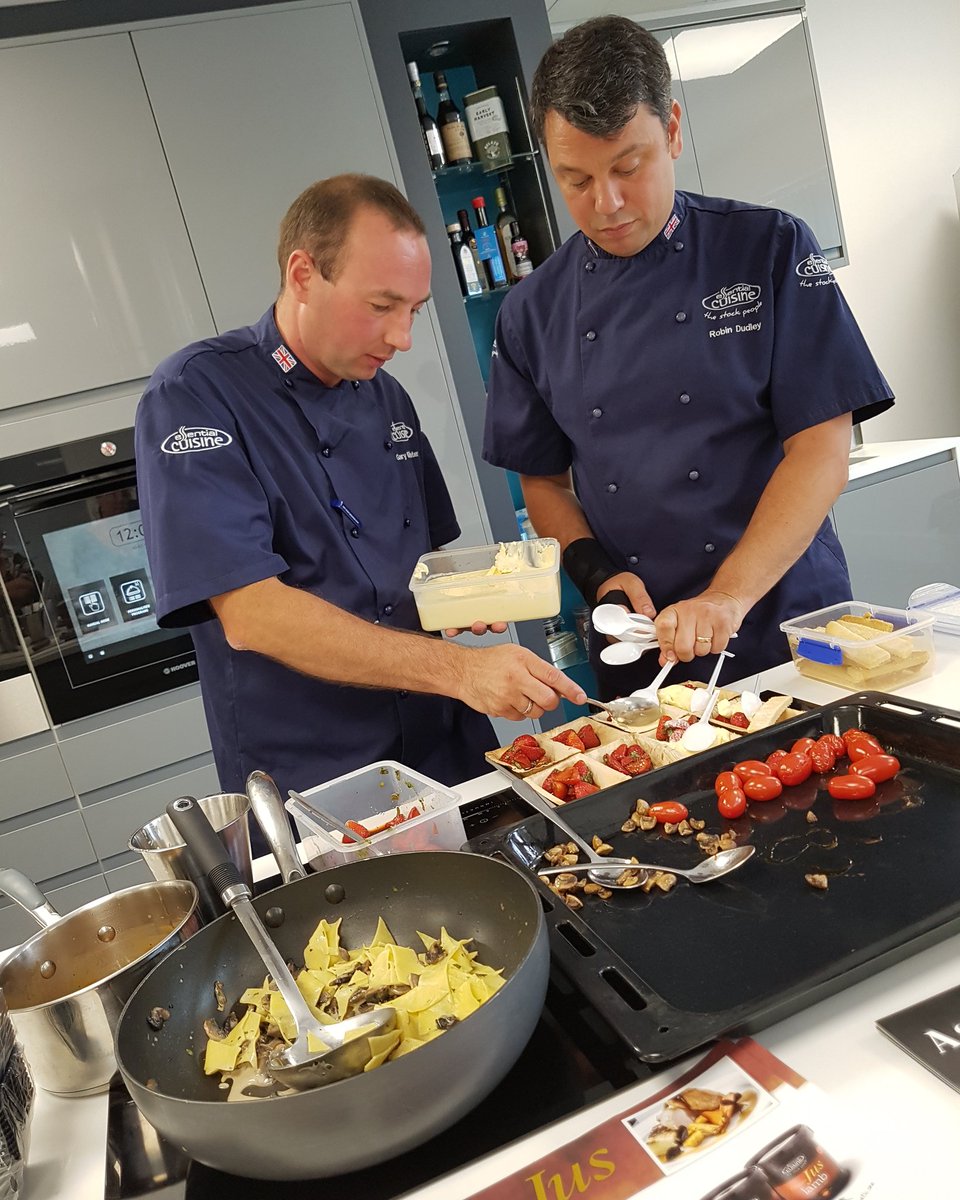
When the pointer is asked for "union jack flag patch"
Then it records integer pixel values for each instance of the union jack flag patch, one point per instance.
(285, 360)
(671, 227)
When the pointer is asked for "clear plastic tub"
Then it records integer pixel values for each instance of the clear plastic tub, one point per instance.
(371, 796)
(940, 601)
(508, 581)
(898, 648)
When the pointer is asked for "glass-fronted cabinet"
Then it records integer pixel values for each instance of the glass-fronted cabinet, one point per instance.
(455, 92)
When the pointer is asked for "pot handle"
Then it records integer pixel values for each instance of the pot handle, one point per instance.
(211, 856)
(273, 820)
(26, 893)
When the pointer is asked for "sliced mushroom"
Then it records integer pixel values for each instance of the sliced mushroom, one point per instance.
(817, 881)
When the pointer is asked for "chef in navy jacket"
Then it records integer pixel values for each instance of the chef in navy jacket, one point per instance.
(288, 490)
(675, 384)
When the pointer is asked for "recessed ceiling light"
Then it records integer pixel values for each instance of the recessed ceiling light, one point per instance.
(437, 49)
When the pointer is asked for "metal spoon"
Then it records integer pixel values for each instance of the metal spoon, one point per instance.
(714, 867)
(299, 1065)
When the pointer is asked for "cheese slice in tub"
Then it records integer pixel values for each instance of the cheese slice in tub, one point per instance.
(863, 655)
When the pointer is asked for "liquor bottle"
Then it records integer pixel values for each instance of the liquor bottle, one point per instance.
(453, 129)
(470, 242)
(487, 245)
(428, 126)
(466, 264)
(505, 219)
(521, 252)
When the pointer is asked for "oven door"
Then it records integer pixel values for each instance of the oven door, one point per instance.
(85, 596)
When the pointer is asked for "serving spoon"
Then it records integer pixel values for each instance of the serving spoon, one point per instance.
(702, 735)
(641, 707)
(714, 867)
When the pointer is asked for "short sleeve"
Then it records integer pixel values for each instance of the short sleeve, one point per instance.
(441, 518)
(822, 366)
(206, 518)
(520, 433)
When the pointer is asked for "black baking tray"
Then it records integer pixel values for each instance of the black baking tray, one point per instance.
(670, 972)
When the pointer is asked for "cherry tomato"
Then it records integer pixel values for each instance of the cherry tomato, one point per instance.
(750, 767)
(762, 787)
(794, 769)
(878, 767)
(732, 804)
(859, 743)
(836, 744)
(668, 810)
(776, 757)
(803, 745)
(823, 759)
(851, 787)
(726, 780)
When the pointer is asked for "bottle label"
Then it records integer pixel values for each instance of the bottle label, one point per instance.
(489, 250)
(470, 277)
(434, 143)
(486, 118)
(455, 140)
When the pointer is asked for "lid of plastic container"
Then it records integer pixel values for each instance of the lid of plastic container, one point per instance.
(941, 601)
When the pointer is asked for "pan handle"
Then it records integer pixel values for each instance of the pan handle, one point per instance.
(272, 818)
(190, 821)
(26, 893)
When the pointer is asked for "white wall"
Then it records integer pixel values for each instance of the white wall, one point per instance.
(889, 80)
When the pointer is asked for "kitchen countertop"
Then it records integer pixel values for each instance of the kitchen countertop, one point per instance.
(874, 457)
(833, 1043)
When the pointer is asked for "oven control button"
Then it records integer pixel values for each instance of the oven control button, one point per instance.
(108, 449)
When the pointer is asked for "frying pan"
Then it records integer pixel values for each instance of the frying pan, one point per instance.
(372, 1117)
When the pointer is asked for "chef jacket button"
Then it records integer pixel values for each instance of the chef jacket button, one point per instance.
(288, 383)
(591, 335)
(678, 245)
(633, 559)
(354, 532)
(612, 487)
(684, 397)
(406, 522)
(387, 610)
(680, 317)
(709, 547)
(590, 266)
(403, 695)
(387, 445)
(597, 412)
(694, 475)
(325, 451)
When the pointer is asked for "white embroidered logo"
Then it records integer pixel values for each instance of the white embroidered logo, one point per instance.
(732, 297)
(400, 431)
(188, 439)
(813, 264)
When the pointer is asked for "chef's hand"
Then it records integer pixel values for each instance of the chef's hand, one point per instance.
(478, 629)
(692, 628)
(632, 584)
(510, 681)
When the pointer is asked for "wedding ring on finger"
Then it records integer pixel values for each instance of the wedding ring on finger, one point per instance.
(524, 711)
(708, 640)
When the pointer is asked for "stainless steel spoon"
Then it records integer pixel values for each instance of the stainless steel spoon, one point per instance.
(707, 871)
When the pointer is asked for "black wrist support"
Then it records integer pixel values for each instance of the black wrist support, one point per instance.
(588, 565)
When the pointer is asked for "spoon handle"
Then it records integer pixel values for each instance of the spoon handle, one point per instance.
(599, 862)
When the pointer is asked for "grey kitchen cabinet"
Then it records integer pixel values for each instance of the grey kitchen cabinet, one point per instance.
(898, 529)
(98, 282)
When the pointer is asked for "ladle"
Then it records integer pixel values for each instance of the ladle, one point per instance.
(714, 867)
(320, 1053)
(702, 735)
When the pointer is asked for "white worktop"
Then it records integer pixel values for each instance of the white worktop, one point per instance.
(833, 1043)
(873, 457)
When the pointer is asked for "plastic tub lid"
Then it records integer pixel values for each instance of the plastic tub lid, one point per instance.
(942, 602)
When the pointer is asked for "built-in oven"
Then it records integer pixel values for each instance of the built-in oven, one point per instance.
(78, 610)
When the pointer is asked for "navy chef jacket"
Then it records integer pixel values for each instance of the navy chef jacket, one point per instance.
(240, 452)
(669, 381)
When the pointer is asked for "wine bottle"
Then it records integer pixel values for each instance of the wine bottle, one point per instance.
(521, 252)
(466, 264)
(487, 245)
(428, 126)
(471, 243)
(453, 129)
(505, 219)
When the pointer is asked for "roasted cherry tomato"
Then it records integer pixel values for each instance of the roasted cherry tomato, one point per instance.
(762, 787)
(878, 767)
(668, 810)
(732, 803)
(836, 744)
(822, 758)
(794, 768)
(803, 745)
(750, 767)
(859, 743)
(851, 787)
(726, 780)
(776, 757)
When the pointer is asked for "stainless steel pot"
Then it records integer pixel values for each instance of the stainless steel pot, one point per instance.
(66, 986)
(167, 857)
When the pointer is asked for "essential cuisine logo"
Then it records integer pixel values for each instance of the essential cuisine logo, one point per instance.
(189, 439)
(400, 431)
(732, 297)
(813, 265)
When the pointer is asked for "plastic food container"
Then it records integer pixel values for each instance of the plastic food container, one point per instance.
(897, 648)
(508, 581)
(940, 601)
(371, 796)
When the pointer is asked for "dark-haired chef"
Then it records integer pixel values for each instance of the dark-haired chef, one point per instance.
(676, 384)
(287, 492)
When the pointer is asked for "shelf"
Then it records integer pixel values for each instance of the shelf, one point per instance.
(476, 168)
(494, 293)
